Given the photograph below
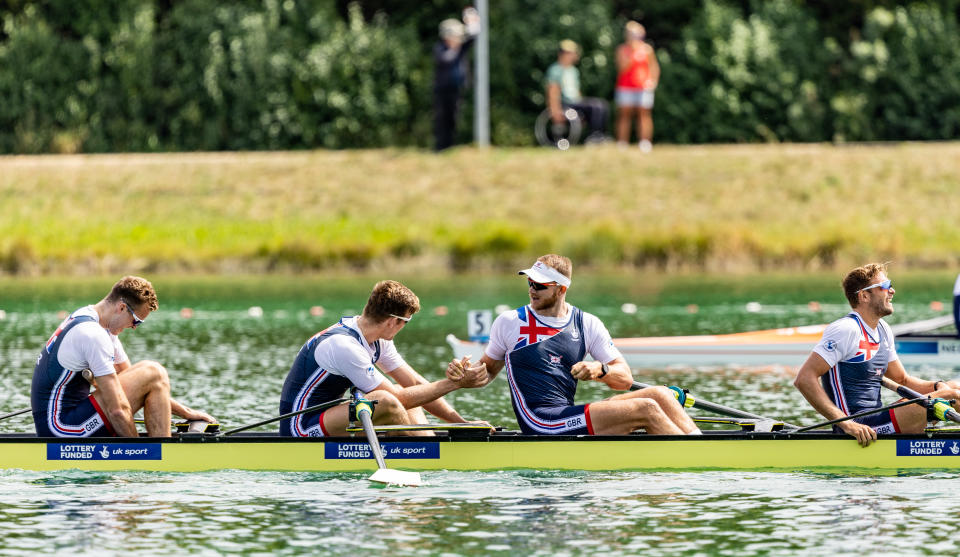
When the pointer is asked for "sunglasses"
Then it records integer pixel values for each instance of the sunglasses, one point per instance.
(136, 320)
(538, 286)
(404, 319)
(885, 285)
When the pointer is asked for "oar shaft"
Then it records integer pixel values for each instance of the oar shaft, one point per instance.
(316, 408)
(363, 415)
(858, 415)
(710, 406)
(17, 413)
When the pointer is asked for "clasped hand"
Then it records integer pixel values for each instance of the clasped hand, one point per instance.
(467, 374)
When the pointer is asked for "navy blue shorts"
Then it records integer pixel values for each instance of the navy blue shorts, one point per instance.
(86, 419)
(304, 425)
(555, 420)
(881, 422)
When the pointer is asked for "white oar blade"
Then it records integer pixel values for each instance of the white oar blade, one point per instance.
(389, 476)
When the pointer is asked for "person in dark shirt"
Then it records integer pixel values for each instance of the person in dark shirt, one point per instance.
(450, 74)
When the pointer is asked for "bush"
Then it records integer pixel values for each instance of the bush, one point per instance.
(152, 75)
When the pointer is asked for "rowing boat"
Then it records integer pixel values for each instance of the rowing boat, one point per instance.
(917, 343)
(715, 450)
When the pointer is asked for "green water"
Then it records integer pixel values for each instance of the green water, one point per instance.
(232, 363)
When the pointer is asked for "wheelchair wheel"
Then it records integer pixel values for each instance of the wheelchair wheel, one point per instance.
(562, 136)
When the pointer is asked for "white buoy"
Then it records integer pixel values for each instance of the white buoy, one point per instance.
(754, 307)
(501, 308)
(629, 308)
(3, 315)
(255, 311)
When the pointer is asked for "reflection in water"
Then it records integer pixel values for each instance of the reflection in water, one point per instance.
(520, 512)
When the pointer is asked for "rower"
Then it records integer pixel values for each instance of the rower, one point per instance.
(87, 343)
(543, 345)
(348, 354)
(844, 373)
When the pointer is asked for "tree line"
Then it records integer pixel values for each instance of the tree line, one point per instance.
(165, 75)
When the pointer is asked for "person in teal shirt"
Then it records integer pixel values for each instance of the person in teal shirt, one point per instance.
(563, 91)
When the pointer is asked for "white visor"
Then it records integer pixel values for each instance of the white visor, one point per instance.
(543, 273)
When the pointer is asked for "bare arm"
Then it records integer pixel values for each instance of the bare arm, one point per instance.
(654, 68)
(187, 413)
(618, 377)
(176, 408)
(898, 374)
(553, 102)
(808, 383)
(457, 369)
(406, 376)
(115, 405)
(420, 394)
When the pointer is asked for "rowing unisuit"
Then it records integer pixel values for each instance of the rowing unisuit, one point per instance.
(60, 396)
(539, 352)
(328, 364)
(858, 356)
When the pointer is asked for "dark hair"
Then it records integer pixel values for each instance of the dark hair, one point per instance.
(390, 297)
(860, 278)
(135, 291)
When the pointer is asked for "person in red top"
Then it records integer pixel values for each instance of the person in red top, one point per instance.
(636, 81)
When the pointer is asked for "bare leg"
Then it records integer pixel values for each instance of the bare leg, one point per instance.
(645, 124)
(417, 416)
(624, 117)
(147, 386)
(655, 409)
(388, 411)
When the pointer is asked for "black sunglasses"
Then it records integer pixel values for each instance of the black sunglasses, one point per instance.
(136, 320)
(538, 286)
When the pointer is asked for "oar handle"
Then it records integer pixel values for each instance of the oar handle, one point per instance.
(906, 392)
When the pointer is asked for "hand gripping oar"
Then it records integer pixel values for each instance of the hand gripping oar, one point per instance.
(362, 409)
(687, 400)
(940, 407)
(316, 408)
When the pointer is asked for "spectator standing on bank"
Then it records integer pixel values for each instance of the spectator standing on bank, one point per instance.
(563, 91)
(638, 74)
(450, 74)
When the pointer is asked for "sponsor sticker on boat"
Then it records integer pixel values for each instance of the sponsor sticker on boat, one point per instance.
(349, 450)
(927, 447)
(103, 451)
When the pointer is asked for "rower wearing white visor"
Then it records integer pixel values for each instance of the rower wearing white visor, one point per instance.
(543, 345)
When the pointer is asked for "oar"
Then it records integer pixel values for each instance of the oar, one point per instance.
(941, 407)
(364, 412)
(859, 415)
(316, 408)
(17, 413)
(706, 405)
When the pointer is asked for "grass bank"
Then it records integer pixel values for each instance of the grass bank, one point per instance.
(718, 208)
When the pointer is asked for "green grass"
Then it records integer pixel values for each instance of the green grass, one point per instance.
(720, 208)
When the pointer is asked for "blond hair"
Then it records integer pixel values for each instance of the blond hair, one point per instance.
(134, 291)
(562, 264)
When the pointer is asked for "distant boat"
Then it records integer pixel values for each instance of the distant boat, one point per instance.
(917, 343)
